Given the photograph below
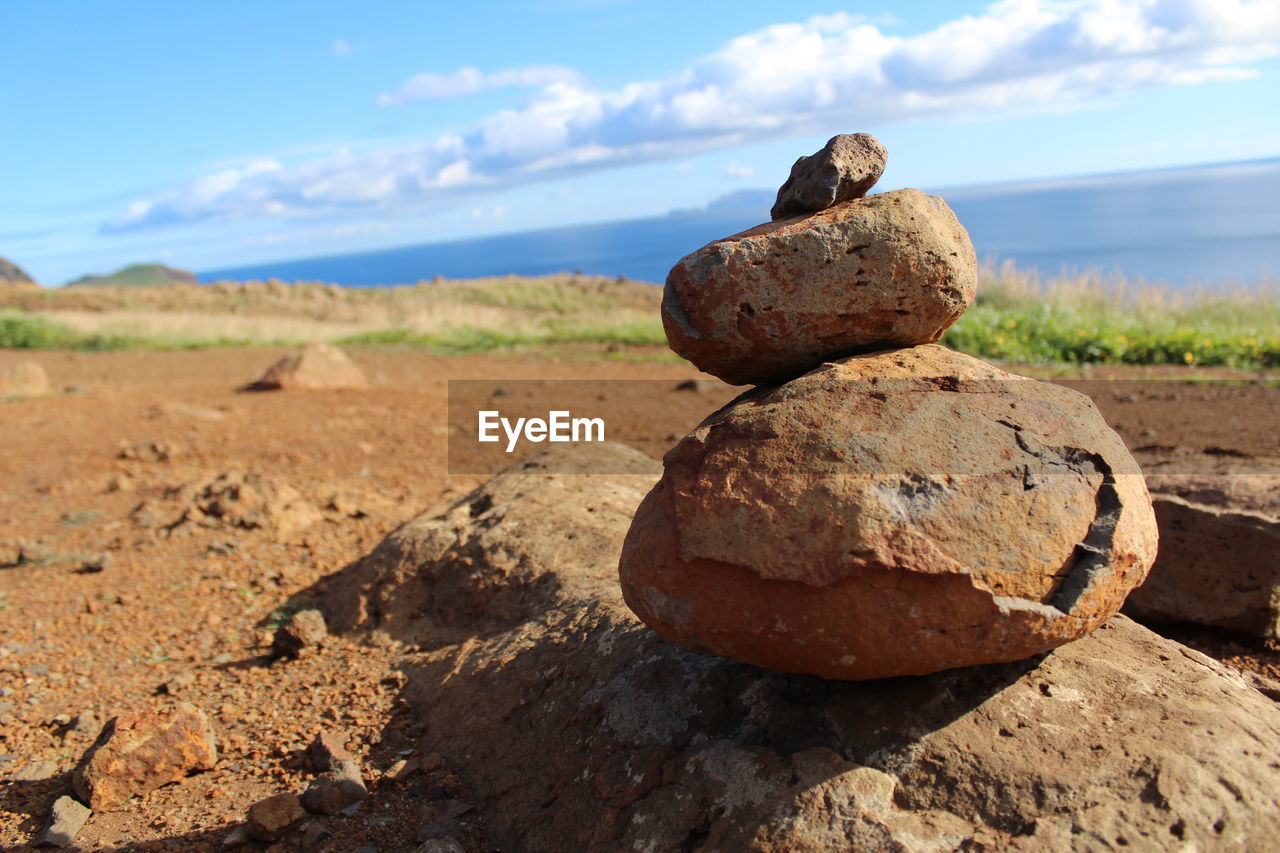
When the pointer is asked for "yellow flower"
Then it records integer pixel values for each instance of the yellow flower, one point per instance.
(1189, 358)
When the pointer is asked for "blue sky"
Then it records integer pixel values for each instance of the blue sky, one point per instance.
(219, 134)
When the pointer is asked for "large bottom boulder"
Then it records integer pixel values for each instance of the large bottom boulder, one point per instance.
(574, 727)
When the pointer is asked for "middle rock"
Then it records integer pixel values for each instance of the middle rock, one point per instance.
(889, 270)
(896, 513)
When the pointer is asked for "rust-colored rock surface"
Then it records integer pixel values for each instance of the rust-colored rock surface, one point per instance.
(335, 789)
(137, 753)
(302, 633)
(574, 727)
(1217, 566)
(545, 516)
(889, 270)
(314, 367)
(897, 513)
(846, 168)
(273, 817)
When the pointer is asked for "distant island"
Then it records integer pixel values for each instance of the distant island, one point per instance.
(11, 273)
(138, 275)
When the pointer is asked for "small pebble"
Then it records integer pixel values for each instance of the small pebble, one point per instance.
(274, 816)
(85, 723)
(66, 819)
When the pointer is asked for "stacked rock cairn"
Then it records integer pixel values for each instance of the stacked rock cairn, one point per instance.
(878, 505)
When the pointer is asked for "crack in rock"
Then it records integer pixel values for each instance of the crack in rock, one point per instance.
(1092, 557)
(672, 308)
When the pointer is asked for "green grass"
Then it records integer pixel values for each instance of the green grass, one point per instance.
(22, 332)
(467, 340)
(18, 332)
(1017, 318)
(1086, 320)
(1055, 334)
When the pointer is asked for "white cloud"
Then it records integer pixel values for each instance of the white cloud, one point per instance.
(495, 214)
(830, 73)
(341, 47)
(738, 171)
(324, 234)
(470, 80)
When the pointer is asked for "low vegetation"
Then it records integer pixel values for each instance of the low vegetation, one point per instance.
(1018, 317)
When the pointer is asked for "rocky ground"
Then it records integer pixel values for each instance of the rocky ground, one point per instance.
(157, 525)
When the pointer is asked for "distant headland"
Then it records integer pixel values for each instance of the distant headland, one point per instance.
(138, 275)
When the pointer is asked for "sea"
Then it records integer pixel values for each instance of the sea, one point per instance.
(1203, 227)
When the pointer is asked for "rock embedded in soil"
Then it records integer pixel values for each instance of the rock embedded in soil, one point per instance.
(1251, 491)
(846, 168)
(237, 837)
(94, 563)
(897, 513)
(543, 515)
(1217, 566)
(66, 819)
(580, 729)
(304, 631)
(315, 367)
(340, 783)
(890, 270)
(86, 724)
(327, 752)
(236, 500)
(273, 817)
(139, 752)
(335, 789)
(314, 836)
(24, 379)
(439, 845)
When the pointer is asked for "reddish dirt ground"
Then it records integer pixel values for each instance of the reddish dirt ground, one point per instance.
(185, 611)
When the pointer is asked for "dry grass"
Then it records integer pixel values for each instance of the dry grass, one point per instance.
(181, 328)
(1019, 317)
(506, 309)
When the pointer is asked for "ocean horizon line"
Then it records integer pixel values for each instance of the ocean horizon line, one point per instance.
(1194, 225)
